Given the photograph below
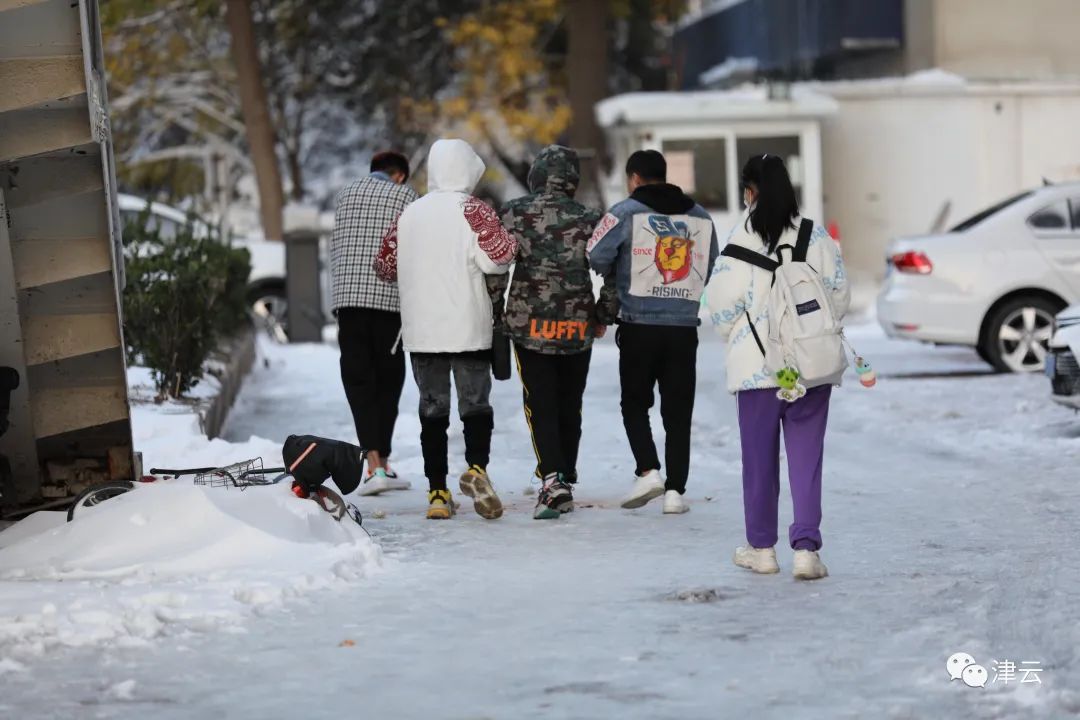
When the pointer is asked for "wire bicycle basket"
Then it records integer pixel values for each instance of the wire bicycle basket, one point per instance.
(240, 475)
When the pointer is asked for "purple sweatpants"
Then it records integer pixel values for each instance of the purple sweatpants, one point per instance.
(761, 415)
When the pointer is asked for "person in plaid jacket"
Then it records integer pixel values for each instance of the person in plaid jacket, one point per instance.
(368, 311)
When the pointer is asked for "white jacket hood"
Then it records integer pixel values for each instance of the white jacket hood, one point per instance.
(453, 166)
(440, 251)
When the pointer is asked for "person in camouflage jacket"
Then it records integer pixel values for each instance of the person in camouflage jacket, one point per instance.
(552, 317)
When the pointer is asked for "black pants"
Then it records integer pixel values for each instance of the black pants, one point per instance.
(553, 386)
(372, 372)
(651, 355)
(472, 378)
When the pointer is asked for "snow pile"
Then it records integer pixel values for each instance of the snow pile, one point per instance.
(169, 436)
(166, 559)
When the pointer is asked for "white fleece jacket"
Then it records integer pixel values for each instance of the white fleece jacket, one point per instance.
(738, 288)
(438, 252)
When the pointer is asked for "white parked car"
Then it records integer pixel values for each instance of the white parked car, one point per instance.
(994, 282)
(266, 284)
(1061, 364)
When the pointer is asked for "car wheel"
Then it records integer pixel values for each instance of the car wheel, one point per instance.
(1018, 335)
(270, 308)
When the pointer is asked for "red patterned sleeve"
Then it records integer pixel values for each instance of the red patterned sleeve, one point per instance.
(499, 245)
(386, 261)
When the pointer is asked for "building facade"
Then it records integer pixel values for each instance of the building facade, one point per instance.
(721, 42)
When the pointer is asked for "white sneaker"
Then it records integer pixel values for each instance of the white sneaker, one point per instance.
(646, 487)
(381, 481)
(673, 503)
(396, 483)
(375, 483)
(808, 566)
(760, 560)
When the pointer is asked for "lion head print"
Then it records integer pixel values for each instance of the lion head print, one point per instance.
(674, 248)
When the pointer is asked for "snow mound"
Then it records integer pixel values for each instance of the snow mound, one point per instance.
(33, 524)
(169, 557)
(173, 529)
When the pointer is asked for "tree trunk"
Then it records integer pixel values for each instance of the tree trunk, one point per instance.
(587, 67)
(257, 121)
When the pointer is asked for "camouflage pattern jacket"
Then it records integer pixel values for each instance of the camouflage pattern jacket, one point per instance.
(550, 308)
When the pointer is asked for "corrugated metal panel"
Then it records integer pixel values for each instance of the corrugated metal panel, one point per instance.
(60, 264)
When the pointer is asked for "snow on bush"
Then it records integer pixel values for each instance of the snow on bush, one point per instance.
(165, 559)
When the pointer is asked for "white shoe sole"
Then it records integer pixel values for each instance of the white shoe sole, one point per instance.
(771, 569)
(681, 510)
(373, 486)
(376, 486)
(811, 574)
(636, 501)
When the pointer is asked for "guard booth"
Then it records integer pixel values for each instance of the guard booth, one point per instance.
(61, 265)
(707, 136)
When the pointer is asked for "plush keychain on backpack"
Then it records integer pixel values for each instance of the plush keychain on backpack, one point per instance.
(867, 376)
(863, 369)
(790, 387)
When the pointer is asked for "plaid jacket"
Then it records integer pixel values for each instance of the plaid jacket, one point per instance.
(365, 211)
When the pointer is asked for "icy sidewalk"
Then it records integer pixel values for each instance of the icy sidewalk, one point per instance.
(949, 509)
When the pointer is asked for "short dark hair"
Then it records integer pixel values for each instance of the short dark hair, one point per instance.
(390, 162)
(649, 165)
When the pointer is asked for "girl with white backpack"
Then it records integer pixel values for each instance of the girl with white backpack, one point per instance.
(778, 294)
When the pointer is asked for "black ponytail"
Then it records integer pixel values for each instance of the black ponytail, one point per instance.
(776, 206)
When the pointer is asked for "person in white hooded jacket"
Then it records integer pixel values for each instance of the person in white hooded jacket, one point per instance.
(738, 299)
(439, 251)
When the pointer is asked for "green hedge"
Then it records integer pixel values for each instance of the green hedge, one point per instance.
(185, 293)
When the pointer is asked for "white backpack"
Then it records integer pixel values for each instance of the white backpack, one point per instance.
(804, 332)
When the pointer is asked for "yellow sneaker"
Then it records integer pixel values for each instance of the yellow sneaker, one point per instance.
(476, 484)
(440, 505)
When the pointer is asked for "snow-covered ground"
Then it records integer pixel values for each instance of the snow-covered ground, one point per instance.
(950, 506)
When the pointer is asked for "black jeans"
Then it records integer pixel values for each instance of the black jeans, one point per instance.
(663, 355)
(373, 375)
(472, 378)
(553, 386)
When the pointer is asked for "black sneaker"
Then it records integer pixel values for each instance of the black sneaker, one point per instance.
(555, 498)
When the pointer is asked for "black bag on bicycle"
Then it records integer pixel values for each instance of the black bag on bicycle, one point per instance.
(311, 460)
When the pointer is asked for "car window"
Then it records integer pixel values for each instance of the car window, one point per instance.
(1052, 217)
(1074, 205)
(993, 210)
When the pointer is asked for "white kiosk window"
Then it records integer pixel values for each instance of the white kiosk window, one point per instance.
(786, 146)
(699, 167)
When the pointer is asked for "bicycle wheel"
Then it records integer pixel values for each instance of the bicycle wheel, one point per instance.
(99, 493)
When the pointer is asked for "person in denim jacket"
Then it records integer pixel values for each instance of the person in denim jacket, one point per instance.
(660, 246)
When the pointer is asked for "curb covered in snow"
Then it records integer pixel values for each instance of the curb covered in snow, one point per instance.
(237, 357)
